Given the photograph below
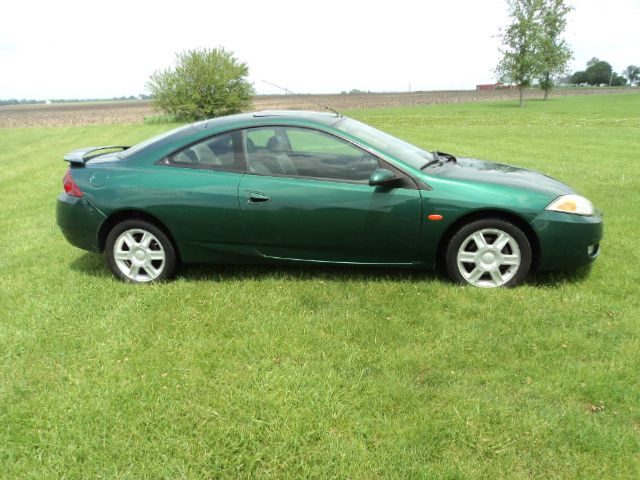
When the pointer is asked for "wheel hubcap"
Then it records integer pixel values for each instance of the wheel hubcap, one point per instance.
(139, 255)
(488, 258)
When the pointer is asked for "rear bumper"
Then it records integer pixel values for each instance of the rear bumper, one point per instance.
(567, 241)
(79, 221)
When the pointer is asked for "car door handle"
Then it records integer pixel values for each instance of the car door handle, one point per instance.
(255, 197)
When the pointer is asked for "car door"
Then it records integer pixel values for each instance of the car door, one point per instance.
(196, 196)
(306, 197)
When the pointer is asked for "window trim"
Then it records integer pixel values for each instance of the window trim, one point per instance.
(383, 162)
(242, 152)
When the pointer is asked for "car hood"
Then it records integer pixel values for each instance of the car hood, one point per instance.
(475, 170)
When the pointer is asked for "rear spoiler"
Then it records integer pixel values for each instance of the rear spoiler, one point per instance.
(83, 154)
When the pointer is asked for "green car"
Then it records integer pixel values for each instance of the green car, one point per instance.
(309, 187)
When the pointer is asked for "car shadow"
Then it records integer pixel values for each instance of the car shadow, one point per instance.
(91, 264)
(553, 279)
(95, 265)
(303, 272)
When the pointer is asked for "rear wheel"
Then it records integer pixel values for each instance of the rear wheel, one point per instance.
(489, 253)
(138, 251)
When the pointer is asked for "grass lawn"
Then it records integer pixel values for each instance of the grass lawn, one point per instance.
(274, 372)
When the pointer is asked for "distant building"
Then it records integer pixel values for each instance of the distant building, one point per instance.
(488, 86)
(564, 81)
(48, 102)
(494, 86)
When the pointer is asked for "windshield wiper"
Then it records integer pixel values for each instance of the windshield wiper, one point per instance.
(448, 156)
(434, 161)
(437, 159)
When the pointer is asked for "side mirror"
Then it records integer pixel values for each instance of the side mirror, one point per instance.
(382, 177)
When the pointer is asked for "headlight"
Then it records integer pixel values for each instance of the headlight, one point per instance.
(571, 204)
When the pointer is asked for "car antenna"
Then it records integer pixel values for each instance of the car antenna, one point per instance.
(289, 92)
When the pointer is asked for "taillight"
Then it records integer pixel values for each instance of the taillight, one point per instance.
(70, 186)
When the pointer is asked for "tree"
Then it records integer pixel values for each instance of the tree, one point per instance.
(579, 77)
(598, 72)
(592, 62)
(204, 83)
(553, 51)
(617, 80)
(520, 62)
(632, 73)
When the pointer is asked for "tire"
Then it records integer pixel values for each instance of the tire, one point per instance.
(488, 253)
(137, 251)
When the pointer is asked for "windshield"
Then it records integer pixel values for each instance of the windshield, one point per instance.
(404, 151)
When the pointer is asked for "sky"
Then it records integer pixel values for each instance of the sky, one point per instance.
(103, 49)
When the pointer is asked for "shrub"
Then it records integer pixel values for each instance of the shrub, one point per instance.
(204, 83)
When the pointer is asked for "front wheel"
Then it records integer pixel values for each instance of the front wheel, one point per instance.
(138, 251)
(489, 253)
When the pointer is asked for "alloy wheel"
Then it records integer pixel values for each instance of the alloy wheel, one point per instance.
(139, 255)
(489, 257)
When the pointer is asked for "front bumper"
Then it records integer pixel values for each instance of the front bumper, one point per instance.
(79, 221)
(567, 241)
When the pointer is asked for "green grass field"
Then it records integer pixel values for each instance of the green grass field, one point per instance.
(274, 372)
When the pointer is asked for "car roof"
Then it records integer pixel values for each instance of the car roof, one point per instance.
(241, 120)
(262, 117)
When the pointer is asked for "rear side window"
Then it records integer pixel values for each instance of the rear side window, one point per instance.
(220, 152)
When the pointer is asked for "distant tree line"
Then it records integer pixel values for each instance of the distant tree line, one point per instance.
(25, 101)
(354, 91)
(599, 72)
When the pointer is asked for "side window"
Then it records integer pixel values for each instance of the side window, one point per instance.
(302, 152)
(311, 141)
(220, 152)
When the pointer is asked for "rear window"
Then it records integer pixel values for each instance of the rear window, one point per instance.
(158, 138)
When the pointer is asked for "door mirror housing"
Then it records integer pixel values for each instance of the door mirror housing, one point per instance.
(381, 177)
